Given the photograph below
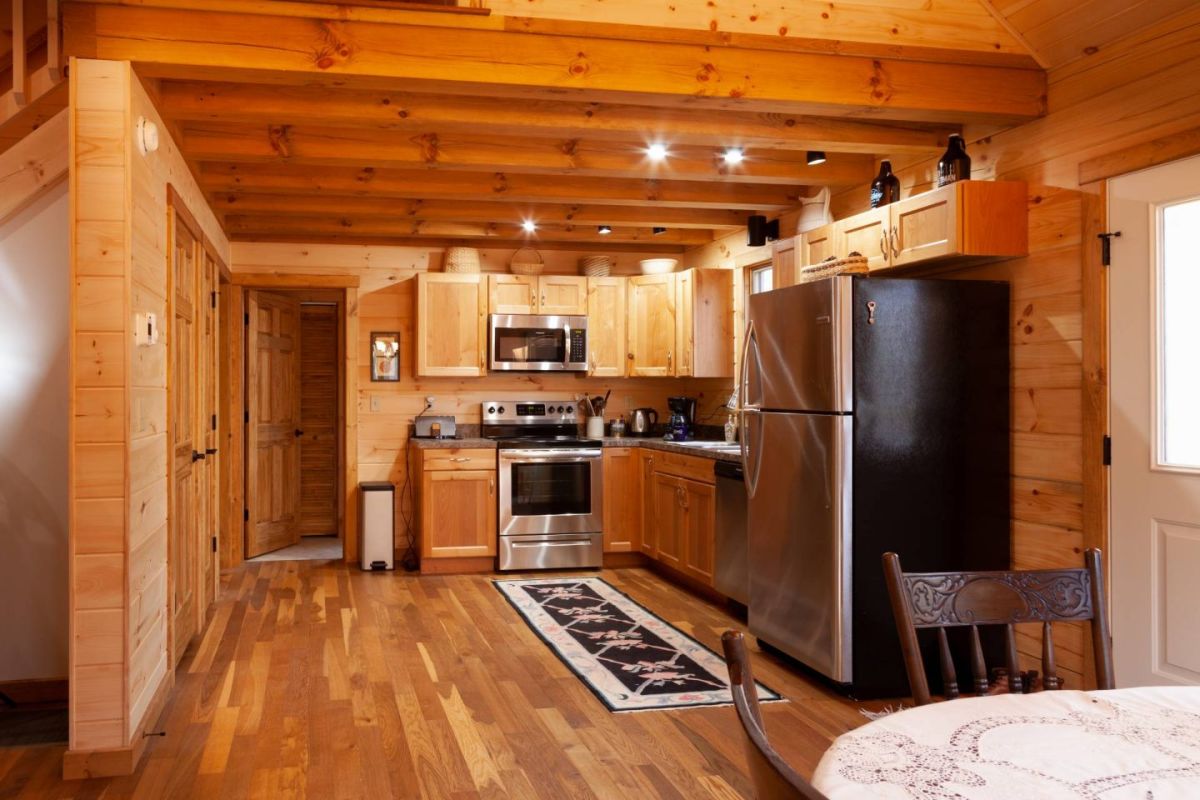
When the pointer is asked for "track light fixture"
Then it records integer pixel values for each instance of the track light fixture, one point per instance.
(604, 230)
(657, 231)
(816, 157)
(734, 156)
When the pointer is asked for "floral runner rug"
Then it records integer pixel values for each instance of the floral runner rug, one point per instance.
(631, 659)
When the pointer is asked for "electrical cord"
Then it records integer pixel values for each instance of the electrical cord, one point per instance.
(408, 560)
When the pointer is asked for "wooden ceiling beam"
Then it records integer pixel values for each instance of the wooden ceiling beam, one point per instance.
(261, 237)
(414, 112)
(225, 178)
(501, 234)
(215, 45)
(417, 209)
(347, 147)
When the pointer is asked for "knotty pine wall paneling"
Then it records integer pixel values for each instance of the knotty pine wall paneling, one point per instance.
(119, 473)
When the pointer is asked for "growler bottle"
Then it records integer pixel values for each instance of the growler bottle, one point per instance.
(955, 164)
(886, 186)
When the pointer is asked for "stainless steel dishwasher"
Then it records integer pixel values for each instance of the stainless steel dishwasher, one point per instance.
(732, 575)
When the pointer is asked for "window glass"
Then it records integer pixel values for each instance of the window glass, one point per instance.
(1179, 409)
(761, 280)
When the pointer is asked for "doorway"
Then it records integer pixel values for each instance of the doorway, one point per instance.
(1154, 289)
(294, 388)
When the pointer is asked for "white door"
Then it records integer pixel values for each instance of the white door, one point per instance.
(1154, 334)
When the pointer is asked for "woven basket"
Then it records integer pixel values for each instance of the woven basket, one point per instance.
(526, 261)
(462, 259)
(854, 264)
(596, 266)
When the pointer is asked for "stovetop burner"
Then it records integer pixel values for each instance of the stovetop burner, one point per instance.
(532, 424)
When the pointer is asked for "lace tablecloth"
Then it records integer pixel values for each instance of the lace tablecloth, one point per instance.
(1125, 744)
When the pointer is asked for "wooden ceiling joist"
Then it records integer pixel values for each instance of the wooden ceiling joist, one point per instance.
(250, 104)
(225, 178)
(214, 45)
(467, 211)
(473, 152)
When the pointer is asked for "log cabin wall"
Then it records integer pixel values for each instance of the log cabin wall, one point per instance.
(119, 590)
(386, 302)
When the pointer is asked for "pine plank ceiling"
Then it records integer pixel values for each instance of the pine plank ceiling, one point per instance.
(374, 122)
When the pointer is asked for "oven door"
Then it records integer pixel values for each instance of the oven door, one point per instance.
(533, 343)
(550, 491)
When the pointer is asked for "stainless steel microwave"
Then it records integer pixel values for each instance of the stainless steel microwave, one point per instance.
(536, 343)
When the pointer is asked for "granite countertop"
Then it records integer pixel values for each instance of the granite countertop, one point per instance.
(473, 442)
(651, 442)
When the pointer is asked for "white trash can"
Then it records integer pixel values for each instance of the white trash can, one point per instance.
(377, 525)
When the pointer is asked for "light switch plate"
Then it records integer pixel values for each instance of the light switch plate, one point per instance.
(145, 329)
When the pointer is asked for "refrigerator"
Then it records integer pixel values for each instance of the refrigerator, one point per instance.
(875, 417)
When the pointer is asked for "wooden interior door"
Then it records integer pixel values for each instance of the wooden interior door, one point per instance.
(273, 430)
(183, 556)
(319, 388)
(651, 321)
(208, 478)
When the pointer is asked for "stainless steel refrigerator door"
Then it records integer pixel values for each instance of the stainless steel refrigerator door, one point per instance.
(797, 354)
(800, 536)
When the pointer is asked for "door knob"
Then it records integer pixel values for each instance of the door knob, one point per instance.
(210, 451)
(299, 433)
(197, 456)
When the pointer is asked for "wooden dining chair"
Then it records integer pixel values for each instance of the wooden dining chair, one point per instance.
(942, 600)
(773, 778)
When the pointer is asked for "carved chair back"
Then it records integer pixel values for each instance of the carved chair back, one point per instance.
(942, 600)
(773, 778)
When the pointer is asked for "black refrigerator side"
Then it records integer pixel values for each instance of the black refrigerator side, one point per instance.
(931, 448)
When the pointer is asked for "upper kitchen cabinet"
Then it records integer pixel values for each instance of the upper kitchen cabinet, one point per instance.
(606, 327)
(451, 324)
(785, 269)
(651, 325)
(537, 294)
(977, 219)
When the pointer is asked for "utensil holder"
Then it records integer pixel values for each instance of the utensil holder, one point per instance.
(595, 427)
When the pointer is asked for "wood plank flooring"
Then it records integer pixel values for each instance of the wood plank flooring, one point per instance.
(317, 680)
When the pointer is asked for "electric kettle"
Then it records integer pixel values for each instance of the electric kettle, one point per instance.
(641, 420)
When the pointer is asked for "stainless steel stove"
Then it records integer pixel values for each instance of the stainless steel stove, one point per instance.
(551, 485)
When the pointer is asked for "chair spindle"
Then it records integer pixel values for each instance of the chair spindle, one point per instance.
(949, 676)
(979, 675)
(1014, 664)
(1050, 678)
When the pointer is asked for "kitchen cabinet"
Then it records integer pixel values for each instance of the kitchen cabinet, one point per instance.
(697, 520)
(648, 541)
(456, 504)
(980, 219)
(669, 527)
(451, 322)
(681, 324)
(622, 499)
(785, 270)
(679, 513)
(606, 327)
(537, 294)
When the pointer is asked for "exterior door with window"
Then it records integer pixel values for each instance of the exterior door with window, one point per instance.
(1154, 331)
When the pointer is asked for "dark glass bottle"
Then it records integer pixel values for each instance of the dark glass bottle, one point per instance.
(886, 186)
(955, 164)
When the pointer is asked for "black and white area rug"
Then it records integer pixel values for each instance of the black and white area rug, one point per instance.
(631, 659)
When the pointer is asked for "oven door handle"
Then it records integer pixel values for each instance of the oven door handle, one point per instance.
(559, 457)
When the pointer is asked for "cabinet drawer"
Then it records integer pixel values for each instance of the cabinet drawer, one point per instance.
(459, 459)
(692, 467)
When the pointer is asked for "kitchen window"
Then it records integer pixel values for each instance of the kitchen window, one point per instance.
(761, 279)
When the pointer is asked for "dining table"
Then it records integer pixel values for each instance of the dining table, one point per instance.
(1119, 744)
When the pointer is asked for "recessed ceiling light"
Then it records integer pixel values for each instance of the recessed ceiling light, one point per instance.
(816, 157)
(734, 155)
(529, 225)
(657, 152)
(658, 231)
(604, 230)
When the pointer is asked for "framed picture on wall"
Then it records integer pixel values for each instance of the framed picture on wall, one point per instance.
(385, 356)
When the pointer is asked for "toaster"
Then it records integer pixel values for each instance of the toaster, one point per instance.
(434, 428)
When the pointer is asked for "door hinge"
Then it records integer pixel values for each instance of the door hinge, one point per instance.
(1106, 246)
(1107, 457)
(214, 540)
(214, 299)
(245, 515)
(246, 318)
(246, 416)
(214, 422)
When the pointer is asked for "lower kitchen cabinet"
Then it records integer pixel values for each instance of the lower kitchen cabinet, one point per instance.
(679, 513)
(697, 521)
(456, 506)
(649, 538)
(668, 524)
(622, 499)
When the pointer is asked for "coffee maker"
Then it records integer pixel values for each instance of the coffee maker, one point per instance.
(682, 422)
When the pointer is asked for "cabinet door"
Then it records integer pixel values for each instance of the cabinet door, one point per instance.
(512, 294)
(451, 324)
(606, 327)
(784, 269)
(925, 226)
(651, 325)
(685, 322)
(668, 512)
(622, 499)
(649, 538)
(562, 294)
(458, 513)
(697, 518)
(819, 244)
(867, 234)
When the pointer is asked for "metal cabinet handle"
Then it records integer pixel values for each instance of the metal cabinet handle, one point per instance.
(884, 248)
(895, 242)
(670, 355)
(460, 459)
(491, 486)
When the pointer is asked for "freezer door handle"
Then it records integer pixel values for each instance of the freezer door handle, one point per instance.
(752, 420)
(750, 351)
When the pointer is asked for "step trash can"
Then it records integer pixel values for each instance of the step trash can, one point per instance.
(377, 525)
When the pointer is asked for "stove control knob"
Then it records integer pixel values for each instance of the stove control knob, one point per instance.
(501, 409)
(491, 409)
(570, 409)
(560, 409)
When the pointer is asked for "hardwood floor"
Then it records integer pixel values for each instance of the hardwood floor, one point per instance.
(318, 680)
